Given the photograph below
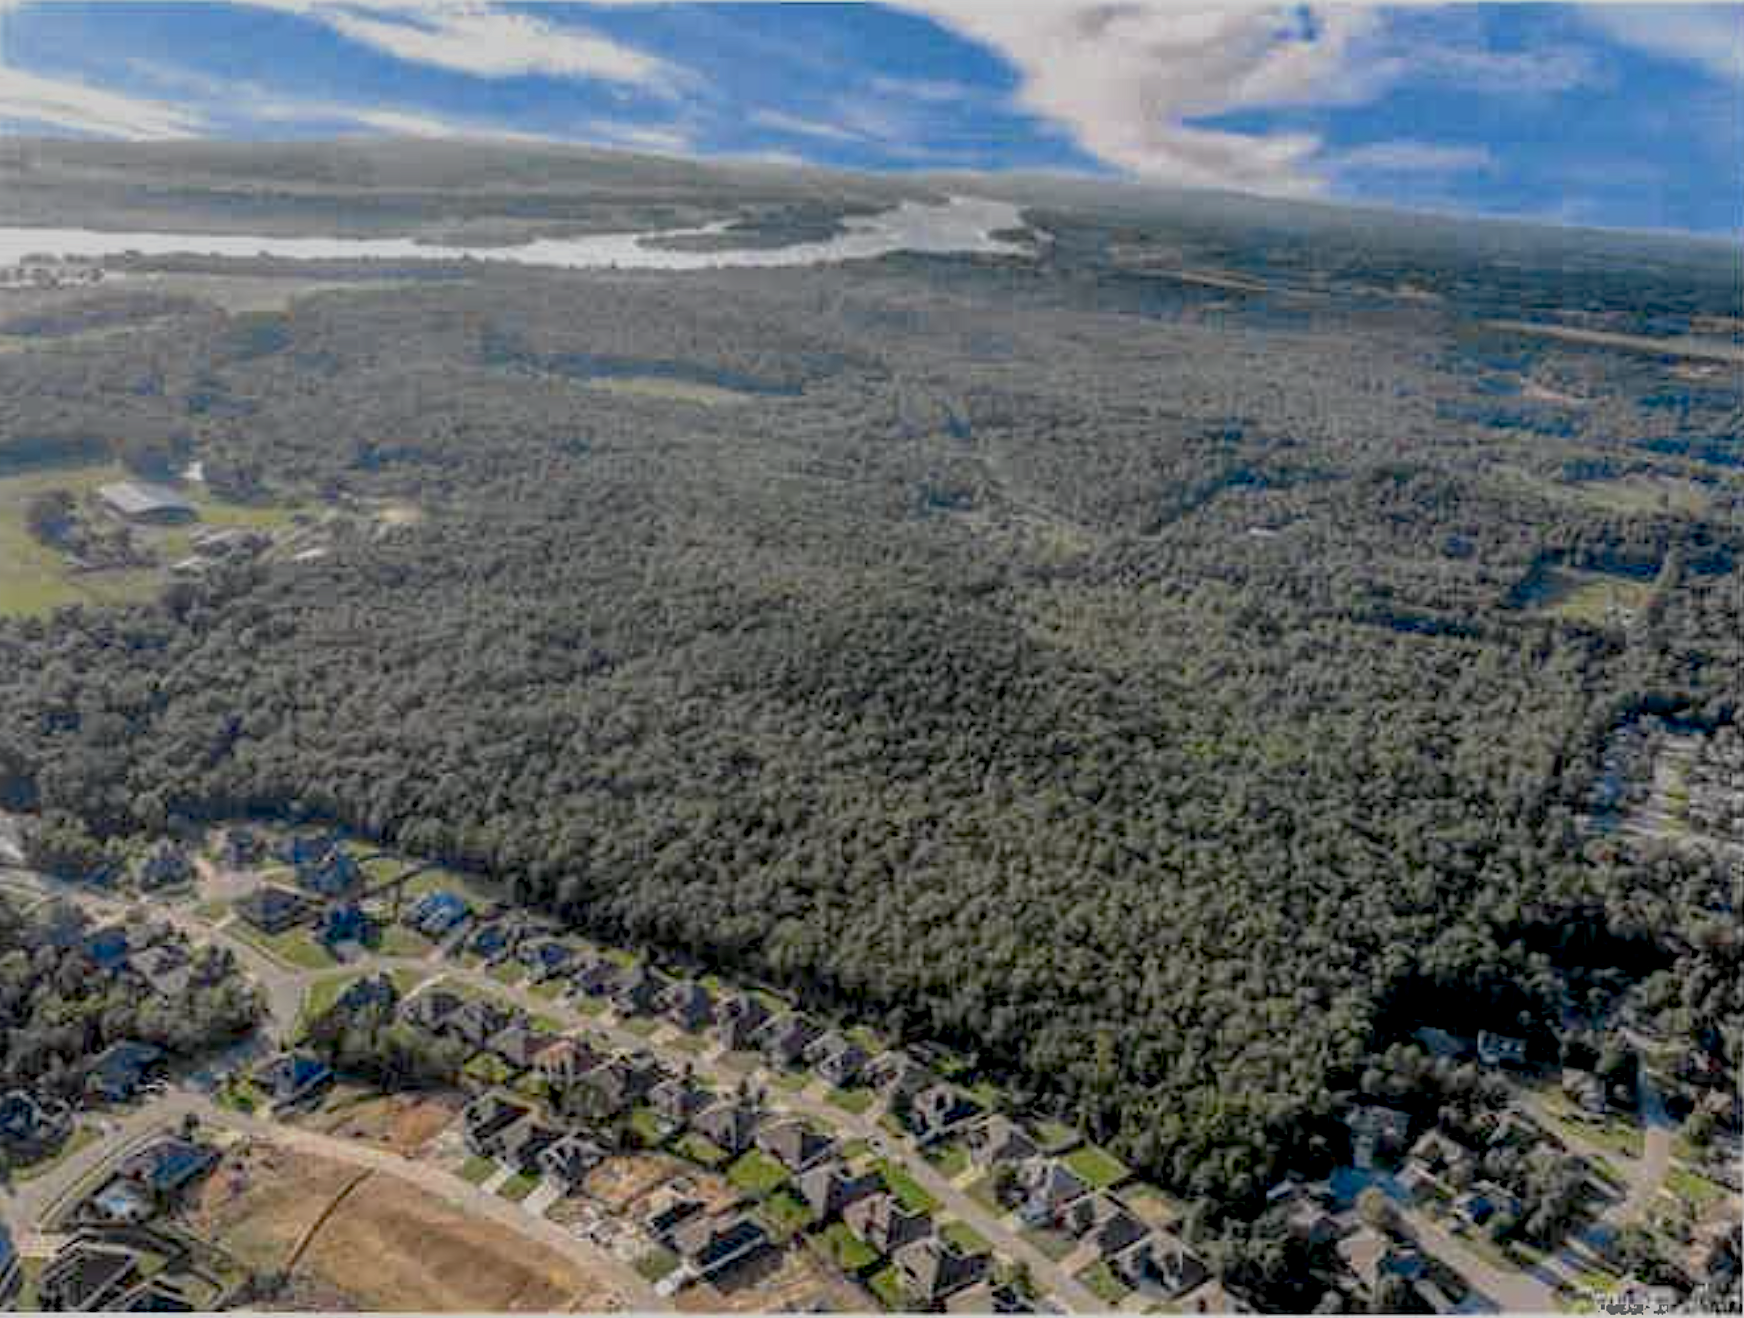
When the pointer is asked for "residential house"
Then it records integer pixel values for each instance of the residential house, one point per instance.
(1370, 1257)
(486, 1120)
(939, 1112)
(730, 1125)
(166, 969)
(1049, 1187)
(477, 1021)
(567, 1161)
(999, 1140)
(1585, 1090)
(107, 947)
(934, 1269)
(86, 1276)
(1439, 1043)
(31, 1125)
(521, 1145)
(519, 1045)
(688, 1005)
(1161, 1261)
(372, 993)
(595, 977)
(564, 1061)
(117, 1072)
(795, 1145)
(1376, 1133)
(431, 1010)
(240, 848)
(1485, 1202)
(545, 958)
(438, 914)
(785, 1039)
(1442, 1156)
(334, 875)
(165, 1168)
(274, 910)
(738, 1018)
(837, 1059)
(898, 1076)
(988, 1296)
(1101, 1220)
(884, 1224)
(300, 849)
(292, 1078)
(829, 1188)
(710, 1244)
(676, 1100)
(1311, 1222)
(622, 1082)
(343, 922)
(668, 1211)
(638, 991)
(1500, 1049)
(492, 941)
(164, 866)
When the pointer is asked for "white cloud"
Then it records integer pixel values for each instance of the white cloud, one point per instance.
(1127, 79)
(1408, 156)
(1710, 36)
(469, 36)
(797, 126)
(65, 104)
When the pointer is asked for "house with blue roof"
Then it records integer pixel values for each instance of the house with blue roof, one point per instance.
(108, 947)
(292, 1078)
(439, 913)
(344, 923)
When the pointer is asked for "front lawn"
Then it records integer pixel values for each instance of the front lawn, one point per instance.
(701, 1150)
(1697, 1191)
(645, 1121)
(786, 1214)
(950, 1159)
(853, 1100)
(1055, 1244)
(845, 1249)
(965, 1237)
(1055, 1136)
(80, 1137)
(488, 1068)
(477, 1170)
(907, 1190)
(1103, 1283)
(397, 940)
(518, 1186)
(887, 1285)
(756, 1173)
(1096, 1166)
(656, 1263)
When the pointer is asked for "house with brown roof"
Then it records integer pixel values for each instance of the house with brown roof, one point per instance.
(795, 1145)
(999, 1140)
(562, 1062)
(676, 1100)
(729, 1125)
(934, 1269)
(688, 1005)
(828, 1187)
(837, 1058)
(884, 1224)
(738, 1018)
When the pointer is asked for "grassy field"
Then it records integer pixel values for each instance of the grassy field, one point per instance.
(656, 1263)
(701, 1150)
(909, 1191)
(477, 1170)
(1589, 597)
(886, 1284)
(845, 1249)
(853, 1100)
(518, 1187)
(756, 1173)
(786, 1214)
(35, 579)
(1103, 1283)
(1097, 1167)
(1696, 1190)
(965, 1237)
(294, 947)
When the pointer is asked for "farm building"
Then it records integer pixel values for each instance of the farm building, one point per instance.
(139, 501)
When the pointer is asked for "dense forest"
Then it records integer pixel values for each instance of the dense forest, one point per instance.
(1137, 681)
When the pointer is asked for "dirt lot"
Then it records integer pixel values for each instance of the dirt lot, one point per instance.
(388, 1246)
(262, 1199)
(394, 1248)
(789, 1280)
(619, 1182)
(404, 1123)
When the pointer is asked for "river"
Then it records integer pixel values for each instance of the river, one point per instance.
(960, 225)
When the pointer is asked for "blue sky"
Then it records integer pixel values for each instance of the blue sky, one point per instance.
(1611, 115)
